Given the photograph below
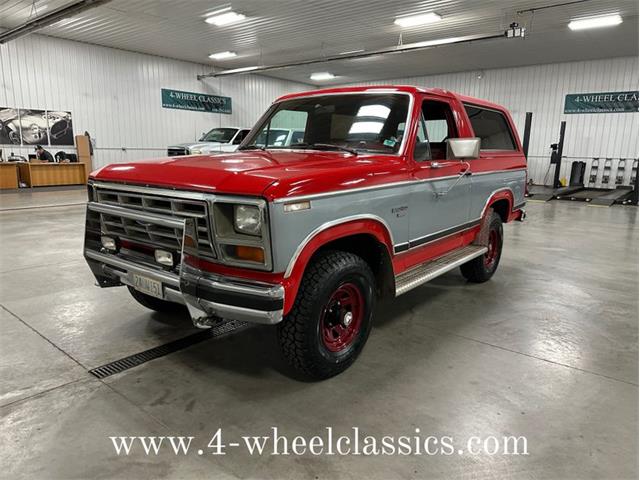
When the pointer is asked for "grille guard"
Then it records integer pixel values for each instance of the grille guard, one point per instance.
(208, 297)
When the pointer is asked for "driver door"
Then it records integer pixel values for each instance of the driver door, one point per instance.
(440, 202)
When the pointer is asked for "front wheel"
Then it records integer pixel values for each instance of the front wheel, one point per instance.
(482, 268)
(331, 318)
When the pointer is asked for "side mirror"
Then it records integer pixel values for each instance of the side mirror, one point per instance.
(463, 148)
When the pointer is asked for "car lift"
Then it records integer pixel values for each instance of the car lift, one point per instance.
(603, 196)
(545, 193)
(622, 193)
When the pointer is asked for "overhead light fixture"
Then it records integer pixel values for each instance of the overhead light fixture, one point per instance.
(430, 43)
(416, 20)
(595, 22)
(241, 69)
(225, 16)
(351, 52)
(369, 54)
(320, 76)
(222, 55)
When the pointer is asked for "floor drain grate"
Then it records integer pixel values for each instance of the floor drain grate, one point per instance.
(139, 358)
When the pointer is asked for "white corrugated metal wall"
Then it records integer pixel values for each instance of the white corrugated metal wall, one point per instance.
(541, 89)
(115, 94)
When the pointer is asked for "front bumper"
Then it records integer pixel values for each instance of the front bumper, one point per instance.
(208, 297)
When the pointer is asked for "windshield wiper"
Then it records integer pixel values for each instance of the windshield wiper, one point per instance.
(326, 146)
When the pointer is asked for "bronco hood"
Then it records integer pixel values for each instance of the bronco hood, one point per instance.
(249, 172)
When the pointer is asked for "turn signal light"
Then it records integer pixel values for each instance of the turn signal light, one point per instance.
(250, 254)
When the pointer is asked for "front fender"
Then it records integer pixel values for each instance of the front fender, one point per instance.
(335, 230)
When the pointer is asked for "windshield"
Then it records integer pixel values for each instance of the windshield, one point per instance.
(221, 135)
(361, 122)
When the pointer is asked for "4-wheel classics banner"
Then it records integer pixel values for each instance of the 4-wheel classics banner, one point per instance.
(197, 102)
(603, 102)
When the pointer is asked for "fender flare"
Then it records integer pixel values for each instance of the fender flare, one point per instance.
(336, 229)
(354, 225)
(501, 194)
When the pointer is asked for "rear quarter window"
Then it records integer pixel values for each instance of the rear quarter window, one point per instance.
(491, 127)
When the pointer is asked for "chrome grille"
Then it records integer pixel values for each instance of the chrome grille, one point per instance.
(177, 151)
(149, 233)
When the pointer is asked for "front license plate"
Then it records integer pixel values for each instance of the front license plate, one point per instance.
(147, 285)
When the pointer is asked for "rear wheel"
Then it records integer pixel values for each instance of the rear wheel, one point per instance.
(331, 318)
(482, 268)
(154, 303)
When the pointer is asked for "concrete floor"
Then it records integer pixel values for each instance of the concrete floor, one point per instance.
(548, 349)
(42, 197)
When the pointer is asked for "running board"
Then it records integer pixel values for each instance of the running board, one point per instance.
(434, 268)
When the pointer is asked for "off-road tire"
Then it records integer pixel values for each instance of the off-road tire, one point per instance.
(301, 333)
(479, 270)
(154, 303)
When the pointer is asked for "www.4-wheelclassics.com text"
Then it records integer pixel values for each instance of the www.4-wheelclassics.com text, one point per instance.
(327, 443)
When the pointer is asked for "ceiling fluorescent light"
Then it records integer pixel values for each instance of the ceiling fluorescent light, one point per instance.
(430, 43)
(224, 18)
(415, 20)
(320, 76)
(241, 69)
(222, 55)
(595, 22)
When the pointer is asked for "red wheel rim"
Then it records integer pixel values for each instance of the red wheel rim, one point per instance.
(341, 317)
(492, 254)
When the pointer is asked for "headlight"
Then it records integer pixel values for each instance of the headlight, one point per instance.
(195, 151)
(246, 219)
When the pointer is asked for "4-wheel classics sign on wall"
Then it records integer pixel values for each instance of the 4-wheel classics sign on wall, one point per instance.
(197, 102)
(602, 102)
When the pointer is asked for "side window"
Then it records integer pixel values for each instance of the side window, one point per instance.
(421, 151)
(438, 129)
(492, 128)
(439, 125)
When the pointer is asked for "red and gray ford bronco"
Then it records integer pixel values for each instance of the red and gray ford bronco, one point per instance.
(384, 189)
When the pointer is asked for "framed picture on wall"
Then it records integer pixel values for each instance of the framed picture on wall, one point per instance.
(33, 127)
(9, 126)
(60, 128)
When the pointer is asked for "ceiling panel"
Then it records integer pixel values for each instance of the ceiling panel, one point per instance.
(281, 31)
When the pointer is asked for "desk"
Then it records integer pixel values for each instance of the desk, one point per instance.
(8, 175)
(47, 174)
